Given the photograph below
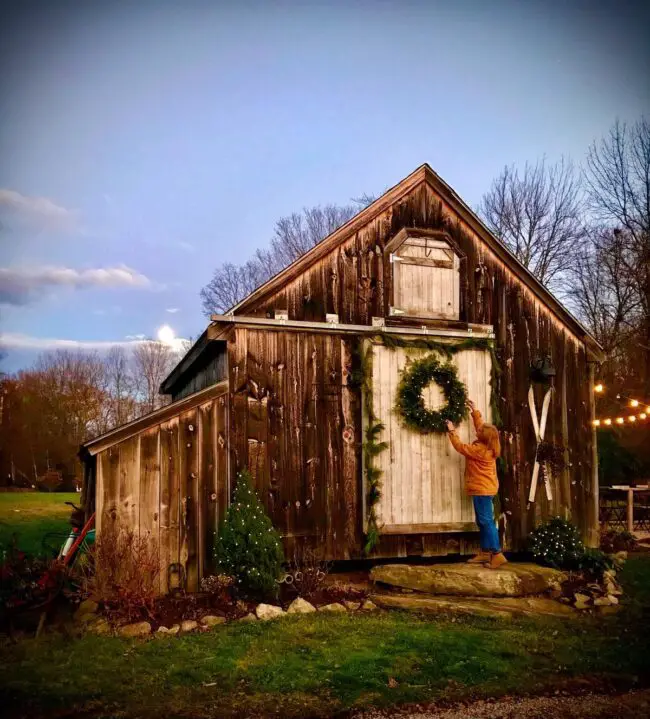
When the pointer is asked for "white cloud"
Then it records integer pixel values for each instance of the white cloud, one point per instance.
(173, 310)
(187, 246)
(17, 341)
(19, 286)
(40, 210)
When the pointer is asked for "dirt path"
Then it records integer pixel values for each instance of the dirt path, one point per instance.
(632, 705)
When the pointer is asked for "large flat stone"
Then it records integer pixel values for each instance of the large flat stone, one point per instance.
(502, 608)
(470, 580)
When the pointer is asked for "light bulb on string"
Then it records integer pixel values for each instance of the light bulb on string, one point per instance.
(632, 418)
(634, 403)
(608, 421)
(599, 387)
(619, 420)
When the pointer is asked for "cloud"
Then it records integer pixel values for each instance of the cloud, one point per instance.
(17, 341)
(38, 210)
(187, 246)
(173, 310)
(19, 286)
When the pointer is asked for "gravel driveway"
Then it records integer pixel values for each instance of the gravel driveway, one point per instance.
(633, 705)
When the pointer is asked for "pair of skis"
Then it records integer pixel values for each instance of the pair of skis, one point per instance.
(539, 425)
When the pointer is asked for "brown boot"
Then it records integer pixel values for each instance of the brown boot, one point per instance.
(496, 560)
(481, 558)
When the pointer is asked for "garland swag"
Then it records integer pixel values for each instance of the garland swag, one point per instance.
(361, 377)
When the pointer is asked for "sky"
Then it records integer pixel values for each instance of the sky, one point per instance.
(144, 143)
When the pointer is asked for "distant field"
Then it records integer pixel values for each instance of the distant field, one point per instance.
(34, 517)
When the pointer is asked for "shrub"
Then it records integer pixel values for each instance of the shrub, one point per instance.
(121, 572)
(614, 541)
(219, 587)
(27, 581)
(594, 562)
(306, 574)
(557, 544)
(248, 547)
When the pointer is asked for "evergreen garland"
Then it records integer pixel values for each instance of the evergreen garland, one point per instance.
(410, 402)
(248, 547)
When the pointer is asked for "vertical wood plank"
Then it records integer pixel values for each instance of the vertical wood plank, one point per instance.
(149, 502)
(208, 487)
(190, 498)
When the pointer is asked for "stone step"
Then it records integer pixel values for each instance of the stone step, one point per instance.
(470, 580)
(501, 608)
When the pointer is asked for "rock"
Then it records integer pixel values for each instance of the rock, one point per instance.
(351, 606)
(162, 630)
(511, 580)
(189, 625)
(139, 629)
(100, 627)
(174, 629)
(88, 606)
(502, 607)
(210, 620)
(581, 605)
(612, 599)
(334, 607)
(369, 606)
(265, 612)
(300, 606)
(621, 556)
(248, 618)
(609, 574)
(602, 602)
(581, 598)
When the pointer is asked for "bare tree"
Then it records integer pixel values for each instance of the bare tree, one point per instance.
(538, 215)
(152, 362)
(617, 177)
(294, 235)
(121, 405)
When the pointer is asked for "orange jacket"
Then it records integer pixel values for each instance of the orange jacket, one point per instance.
(480, 466)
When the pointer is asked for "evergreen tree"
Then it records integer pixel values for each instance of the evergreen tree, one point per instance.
(248, 547)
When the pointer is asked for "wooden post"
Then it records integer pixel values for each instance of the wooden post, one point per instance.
(630, 510)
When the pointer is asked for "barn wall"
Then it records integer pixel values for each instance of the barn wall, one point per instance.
(354, 281)
(210, 369)
(289, 406)
(169, 482)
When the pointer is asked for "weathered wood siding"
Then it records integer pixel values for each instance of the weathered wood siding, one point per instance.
(355, 281)
(211, 368)
(289, 406)
(169, 482)
(422, 483)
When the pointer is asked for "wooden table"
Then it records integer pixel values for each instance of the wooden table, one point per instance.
(630, 501)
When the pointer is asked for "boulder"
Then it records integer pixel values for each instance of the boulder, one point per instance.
(174, 629)
(162, 630)
(351, 606)
(503, 607)
(368, 606)
(602, 602)
(189, 625)
(265, 612)
(88, 606)
(612, 599)
(210, 620)
(248, 618)
(99, 627)
(334, 607)
(138, 629)
(300, 606)
(470, 580)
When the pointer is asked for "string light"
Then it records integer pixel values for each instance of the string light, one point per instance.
(634, 403)
(608, 421)
(643, 415)
(599, 388)
(619, 420)
(632, 418)
(596, 423)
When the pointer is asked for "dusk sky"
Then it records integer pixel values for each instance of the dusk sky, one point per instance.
(144, 143)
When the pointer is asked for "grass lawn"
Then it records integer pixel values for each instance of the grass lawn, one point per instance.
(34, 515)
(317, 665)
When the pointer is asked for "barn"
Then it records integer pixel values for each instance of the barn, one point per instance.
(298, 384)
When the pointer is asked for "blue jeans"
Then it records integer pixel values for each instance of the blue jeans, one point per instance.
(484, 510)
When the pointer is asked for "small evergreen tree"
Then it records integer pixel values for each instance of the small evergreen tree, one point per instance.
(248, 547)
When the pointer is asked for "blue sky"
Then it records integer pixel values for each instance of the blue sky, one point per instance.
(144, 143)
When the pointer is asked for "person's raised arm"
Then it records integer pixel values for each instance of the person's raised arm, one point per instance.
(477, 418)
(467, 450)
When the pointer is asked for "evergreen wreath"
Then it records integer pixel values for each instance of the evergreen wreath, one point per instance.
(410, 402)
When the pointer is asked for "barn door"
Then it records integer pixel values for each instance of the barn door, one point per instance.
(422, 482)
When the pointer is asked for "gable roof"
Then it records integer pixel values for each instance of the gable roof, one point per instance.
(424, 173)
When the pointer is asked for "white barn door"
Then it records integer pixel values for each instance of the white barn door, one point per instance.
(422, 482)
